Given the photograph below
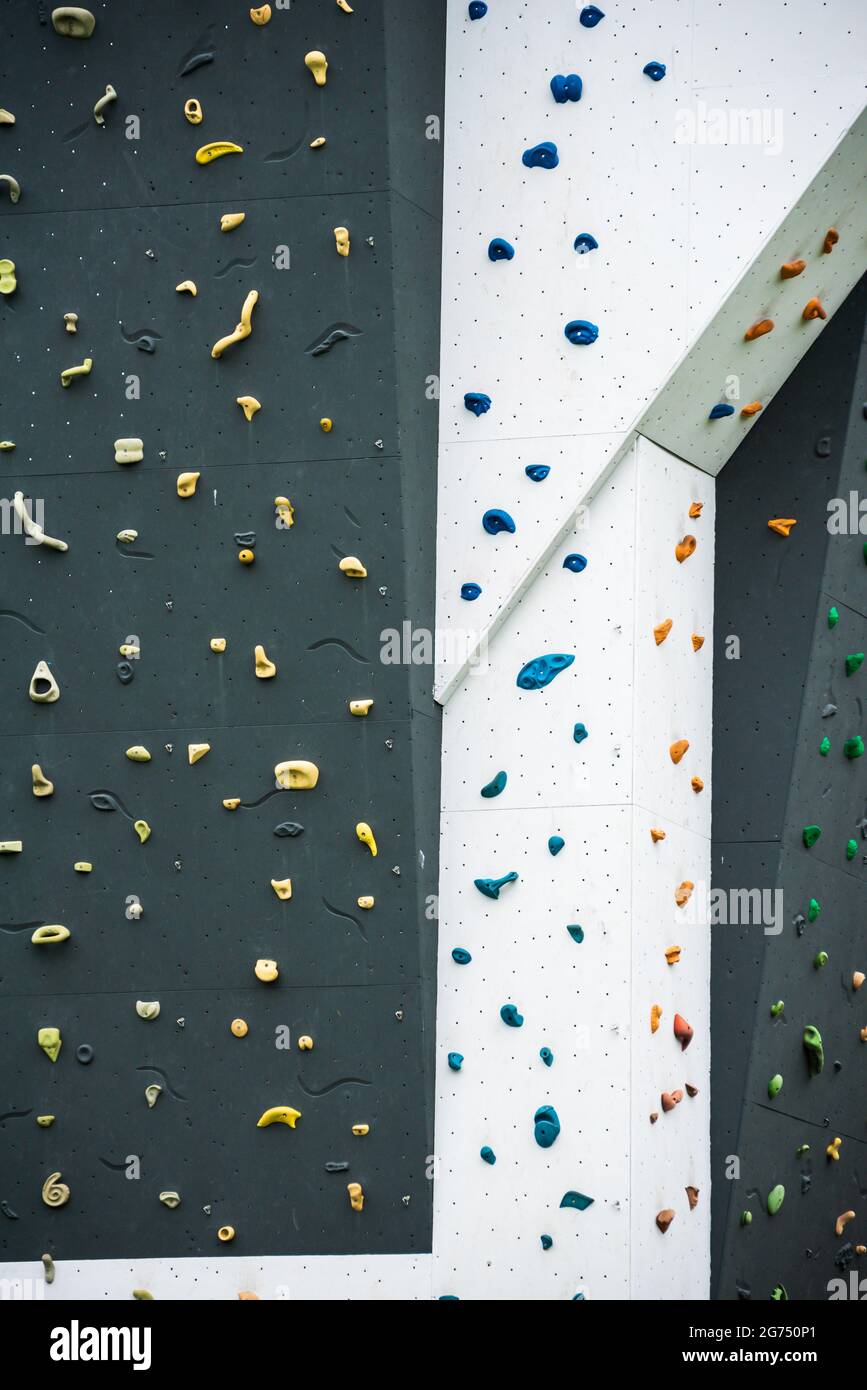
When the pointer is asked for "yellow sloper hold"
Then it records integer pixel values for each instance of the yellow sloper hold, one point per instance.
(186, 483)
(341, 240)
(282, 887)
(305, 1043)
(262, 15)
(279, 1115)
(361, 1129)
(266, 971)
(41, 784)
(242, 329)
(366, 901)
(265, 669)
(285, 512)
(232, 803)
(296, 776)
(218, 644)
(249, 405)
(129, 649)
(49, 935)
(365, 835)
(216, 149)
(143, 830)
(81, 866)
(326, 424)
(317, 143)
(196, 751)
(352, 567)
(356, 1195)
(318, 65)
(187, 287)
(230, 220)
(11, 846)
(360, 707)
(138, 754)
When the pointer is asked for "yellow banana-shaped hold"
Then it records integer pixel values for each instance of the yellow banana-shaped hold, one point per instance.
(242, 330)
(279, 1115)
(365, 835)
(216, 149)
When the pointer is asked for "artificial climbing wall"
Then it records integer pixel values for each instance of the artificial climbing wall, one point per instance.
(788, 739)
(112, 220)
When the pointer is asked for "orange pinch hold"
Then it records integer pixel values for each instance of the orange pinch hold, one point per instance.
(664, 1219)
(697, 784)
(782, 524)
(832, 236)
(677, 1097)
(813, 310)
(685, 548)
(667, 1101)
(683, 894)
(695, 509)
(672, 955)
(759, 330)
(677, 750)
(697, 642)
(656, 834)
(692, 1197)
(682, 1031)
(789, 269)
(661, 631)
(752, 408)
(655, 1016)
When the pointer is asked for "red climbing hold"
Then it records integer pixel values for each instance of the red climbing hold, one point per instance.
(682, 1031)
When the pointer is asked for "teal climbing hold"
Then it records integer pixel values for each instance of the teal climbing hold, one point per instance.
(721, 410)
(579, 733)
(455, 1060)
(461, 956)
(776, 1197)
(555, 843)
(546, 1126)
(814, 1049)
(487, 1155)
(853, 662)
(814, 909)
(539, 672)
(825, 746)
(547, 1242)
(510, 1016)
(490, 887)
(854, 747)
(576, 1200)
(547, 1056)
(833, 617)
(775, 1085)
(576, 933)
(811, 834)
(851, 849)
(495, 786)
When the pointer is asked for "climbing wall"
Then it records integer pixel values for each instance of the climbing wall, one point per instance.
(788, 729)
(204, 754)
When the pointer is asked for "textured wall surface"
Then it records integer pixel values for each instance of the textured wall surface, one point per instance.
(773, 595)
(106, 227)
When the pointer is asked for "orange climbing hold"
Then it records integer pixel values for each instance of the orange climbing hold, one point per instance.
(667, 1101)
(661, 631)
(843, 1221)
(682, 1031)
(697, 642)
(782, 524)
(752, 408)
(813, 310)
(664, 1219)
(672, 955)
(697, 784)
(683, 894)
(677, 750)
(759, 330)
(656, 834)
(863, 1034)
(685, 548)
(832, 236)
(857, 979)
(655, 1016)
(692, 1197)
(691, 1091)
(695, 509)
(789, 269)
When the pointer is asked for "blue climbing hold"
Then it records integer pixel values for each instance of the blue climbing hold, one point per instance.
(496, 520)
(555, 843)
(495, 786)
(547, 1056)
(575, 563)
(590, 16)
(579, 733)
(500, 249)
(488, 1154)
(581, 332)
(547, 1242)
(576, 1200)
(541, 156)
(448, 1298)
(546, 1126)
(576, 933)
(655, 71)
(470, 591)
(720, 411)
(542, 670)
(460, 956)
(477, 402)
(490, 887)
(478, 9)
(566, 88)
(509, 1014)
(456, 1060)
(584, 242)
(537, 472)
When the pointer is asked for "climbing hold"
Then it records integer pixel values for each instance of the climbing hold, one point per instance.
(128, 451)
(341, 240)
(54, 1192)
(470, 591)
(677, 749)
(777, 1009)
(8, 282)
(775, 1085)
(789, 269)
(510, 1016)
(697, 642)
(692, 1197)
(547, 1056)
(477, 9)
(41, 785)
(230, 220)
(356, 1196)
(854, 661)
(537, 472)
(832, 236)
(685, 548)
(576, 932)
(360, 1130)
(50, 1041)
(759, 330)
(661, 631)
(487, 1155)
(226, 1233)
(782, 524)
(575, 563)
(11, 846)
(352, 567)
(858, 978)
(541, 156)
(152, 1094)
(71, 373)
(813, 910)
(279, 1114)
(776, 1197)
(851, 849)
(238, 1028)
(477, 402)
(249, 405)
(326, 425)
(565, 89)
(73, 22)
(813, 310)
(48, 1266)
(746, 1218)
(318, 66)
(682, 1031)
(581, 332)
(752, 408)
(170, 1199)
(655, 1016)
(496, 520)
(495, 786)
(296, 776)
(246, 556)
(81, 866)
(490, 887)
(305, 1043)
(127, 536)
(197, 751)
(547, 1242)
(546, 1126)
(365, 901)
(579, 733)
(284, 512)
(455, 1061)
(50, 935)
(833, 617)
(215, 150)
(266, 971)
(584, 242)
(814, 1049)
(264, 668)
(590, 16)
(138, 754)
(810, 835)
(500, 250)
(833, 1150)
(555, 844)
(283, 888)
(187, 287)
(193, 111)
(854, 747)
(683, 892)
(665, 1217)
(539, 672)
(102, 103)
(721, 410)
(186, 484)
(365, 835)
(360, 708)
(32, 528)
(288, 827)
(142, 829)
(655, 71)
(43, 688)
(147, 1009)
(576, 1200)
(261, 15)
(242, 330)
(656, 834)
(843, 1221)
(13, 185)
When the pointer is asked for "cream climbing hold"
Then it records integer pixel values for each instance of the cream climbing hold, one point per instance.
(50, 935)
(232, 803)
(345, 6)
(82, 866)
(341, 240)
(142, 829)
(216, 149)
(360, 1130)
(365, 835)
(194, 113)
(317, 143)
(147, 1008)
(226, 1233)
(50, 1041)
(296, 776)
(45, 1121)
(249, 405)
(41, 784)
(11, 846)
(356, 1196)
(104, 101)
(197, 751)
(265, 669)
(282, 887)
(279, 1115)
(242, 330)
(71, 374)
(128, 450)
(186, 484)
(13, 185)
(73, 22)
(152, 1094)
(218, 644)
(261, 15)
(43, 689)
(6, 117)
(360, 707)
(230, 220)
(187, 287)
(71, 322)
(170, 1199)
(138, 753)
(266, 971)
(843, 1221)
(318, 66)
(305, 1043)
(284, 512)
(352, 567)
(32, 528)
(54, 1192)
(127, 536)
(365, 901)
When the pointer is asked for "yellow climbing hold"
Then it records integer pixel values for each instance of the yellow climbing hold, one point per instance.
(661, 631)
(50, 935)
(352, 567)
(266, 971)
(11, 846)
(242, 330)
(285, 512)
(655, 1016)
(138, 754)
(282, 887)
(186, 484)
(265, 669)
(8, 282)
(45, 1121)
(226, 1233)
(365, 835)
(194, 113)
(129, 649)
(249, 405)
(232, 803)
(69, 375)
(341, 240)
(128, 450)
(196, 751)
(82, 866)
(143, 830)
(230, 220)
(261, 15)
(296, 776)
(218, 644)
(782, 524)
(246, 557)
(187, 287)
(279, 1115)
(318, 65)
(356, 1196)
(345, 6)
(366, 901)
(50, 1041)
(41, 785)
(326, 425)
(360, 707)
(361, 1129)
(216, 149)
(305, 1043)
(317, 143)
(238, 1027)
(833, 1149)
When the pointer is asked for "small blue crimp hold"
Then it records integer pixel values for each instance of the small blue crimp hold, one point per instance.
(495, 786)
(477, 402)
(547, 1242)
(478, 9)
(461, 956)
(720, 411)
(579, 733)
(547, 1056)
(655, 71)
(576, 933)
(470, 590)
(542, 669)
(576, 1200)
(496, 520)
(487, 1154)
(566, 88)
(541, 156)
(555, 843)
(575, 563)
(509, 1014)
(584, 242)
(537, 472)
(581, 332)
(490, 887)
(455, 1060)
(500, 250)
(590, 16)
(546, 1126)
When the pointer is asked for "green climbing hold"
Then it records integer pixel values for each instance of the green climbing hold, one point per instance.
(813, 910)
(820, 960)
(811, 834)
(777, 1009)
(746, 1218)
(801, 1150)
(825, 746)
(833, 617)
(814, 1048)
(851, 849)
(854, 747)
(853, 662)
(775, 1085)
(779, 1294)
(776, 1197)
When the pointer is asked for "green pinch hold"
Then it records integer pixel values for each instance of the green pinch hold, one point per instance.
(810, 835)
(854, 747)
(777, 1009)
(854, 661)
(746, 1218)
(814, 1049)
(775, 1085)
(820, 960)
(776, 1198)
(824, 748)
(813, 910)
(576, 1200)
(851, 849)
(833, 617)
(495, 786)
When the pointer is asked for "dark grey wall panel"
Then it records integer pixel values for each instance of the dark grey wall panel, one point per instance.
(361, 983)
